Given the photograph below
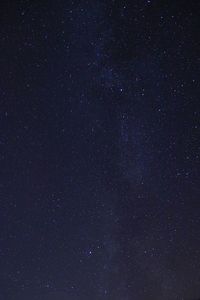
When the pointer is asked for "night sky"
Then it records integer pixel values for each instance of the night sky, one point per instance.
(99, 150)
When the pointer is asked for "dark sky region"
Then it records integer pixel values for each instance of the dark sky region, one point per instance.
(99, 150)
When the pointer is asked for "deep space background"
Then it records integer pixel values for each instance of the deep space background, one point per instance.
(99, 150)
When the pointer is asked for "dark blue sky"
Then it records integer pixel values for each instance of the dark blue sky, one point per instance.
(99, 150)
